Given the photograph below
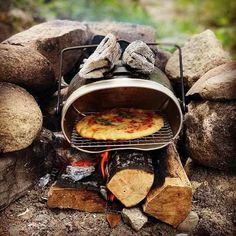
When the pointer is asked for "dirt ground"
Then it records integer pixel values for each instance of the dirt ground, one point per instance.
(214, 201)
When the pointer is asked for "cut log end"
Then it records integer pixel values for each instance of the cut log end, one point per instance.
(171, 202)
(131, 186)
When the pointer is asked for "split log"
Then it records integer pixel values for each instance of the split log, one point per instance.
(130, 176)
(170, 202)
(75, 198)
(139, 57)
(103, 59)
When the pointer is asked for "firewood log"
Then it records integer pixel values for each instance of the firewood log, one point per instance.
(170, 202)
(139, 57)
(75, 198)
(130, 176)
(103, 59)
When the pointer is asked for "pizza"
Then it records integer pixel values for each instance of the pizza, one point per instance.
(119, 124)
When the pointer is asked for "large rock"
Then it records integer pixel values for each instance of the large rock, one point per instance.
(51, 37)
(217, 84)
(200, 53)
(20, 118)
(213, 200)
(19, 170)
(124, 31)
(25, 67)
(210, 133)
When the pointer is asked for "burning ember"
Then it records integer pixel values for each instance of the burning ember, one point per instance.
(83, 163)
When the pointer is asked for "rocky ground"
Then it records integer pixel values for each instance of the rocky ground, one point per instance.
(213, 201)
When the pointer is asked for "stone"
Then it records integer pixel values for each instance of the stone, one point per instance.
(200, 53)
(134, 217)
(18, 172)
(49, 38)
(189, 223)
(218, 83)
(122, 31)
(20, 120)
(26, 67)
(210, 133)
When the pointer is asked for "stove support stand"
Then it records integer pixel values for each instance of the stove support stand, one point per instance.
(58, 108)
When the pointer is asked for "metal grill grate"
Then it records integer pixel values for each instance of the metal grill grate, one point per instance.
(151, 142)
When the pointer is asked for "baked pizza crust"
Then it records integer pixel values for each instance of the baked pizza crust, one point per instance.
(120, 124)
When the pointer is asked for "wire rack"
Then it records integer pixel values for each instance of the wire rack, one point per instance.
(157, 140)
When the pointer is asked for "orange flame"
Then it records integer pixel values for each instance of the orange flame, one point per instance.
(104, 156)
(103, 162)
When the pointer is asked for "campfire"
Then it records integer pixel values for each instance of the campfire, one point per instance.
(142, 171)
(47, 162)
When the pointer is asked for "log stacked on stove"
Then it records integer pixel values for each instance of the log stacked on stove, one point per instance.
(130, 176)
(102, 60)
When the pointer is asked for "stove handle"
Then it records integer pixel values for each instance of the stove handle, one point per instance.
(58, 108)
(183, 105)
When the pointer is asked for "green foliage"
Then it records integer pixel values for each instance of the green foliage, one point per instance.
(189, 16)
(218, 15)
(96, 10)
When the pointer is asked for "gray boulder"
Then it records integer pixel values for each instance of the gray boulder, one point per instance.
(210, 133)
(19, 170)
(217, 84)
(124, 31)
(50, 38)
(201, 53)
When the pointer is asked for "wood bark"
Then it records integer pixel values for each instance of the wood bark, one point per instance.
(75, 198)
(103, 59)
(130, 176)
(170, 201)
(139, 57)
